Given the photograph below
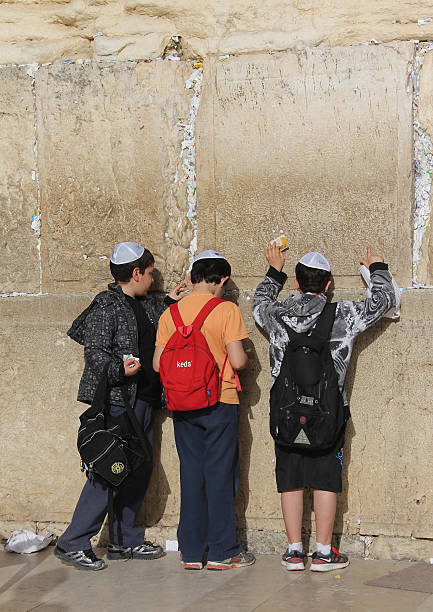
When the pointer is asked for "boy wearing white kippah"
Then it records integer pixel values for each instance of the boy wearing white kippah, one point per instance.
(206, 431)
(118, 332)
(310, 460)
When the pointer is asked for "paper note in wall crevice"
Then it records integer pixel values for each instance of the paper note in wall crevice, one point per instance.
(394, 312)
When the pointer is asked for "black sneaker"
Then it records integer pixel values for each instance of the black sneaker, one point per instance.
(147, 550)
(81, 559)
(294, 560)
(326, 563)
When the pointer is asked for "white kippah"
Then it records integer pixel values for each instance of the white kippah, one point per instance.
(209, 254)
(125, 252)
(315, 260)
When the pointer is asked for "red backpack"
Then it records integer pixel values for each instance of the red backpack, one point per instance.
(187, 368)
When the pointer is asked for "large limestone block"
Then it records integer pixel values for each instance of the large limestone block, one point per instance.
(18, 187)
(42, 51)
(425, 265)
(149, 46)
(390, 444)
(40, 369)
(110, 138)
(316, 145)
(245, 26)
(29, 28)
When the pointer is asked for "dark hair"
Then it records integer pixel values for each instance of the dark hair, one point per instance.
(123, 272)
(211, 270)
(311, 280)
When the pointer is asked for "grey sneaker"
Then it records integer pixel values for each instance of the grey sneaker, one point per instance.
(242, 559)
(81, 559)
(147, 550)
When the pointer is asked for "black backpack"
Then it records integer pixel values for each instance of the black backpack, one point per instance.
(306, 405)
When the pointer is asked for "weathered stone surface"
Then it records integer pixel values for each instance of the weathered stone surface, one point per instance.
(34, 29)
(41, 476)
(6, 528)
(29, 51)
(316, 145)
(425, 265)
(400, 548)
(110, 143)
(425, 102)
(18, 188)
(149, 46)
(425, 116)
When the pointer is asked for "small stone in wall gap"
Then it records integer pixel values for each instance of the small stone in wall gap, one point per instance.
(424, 21)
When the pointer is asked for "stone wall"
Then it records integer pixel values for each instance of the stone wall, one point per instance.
(183, 128)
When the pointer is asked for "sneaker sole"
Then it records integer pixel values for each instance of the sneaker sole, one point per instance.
(217, 567)
(193, 566)
(328, 567)
(296, 567)
(120, 557)
(78, 566)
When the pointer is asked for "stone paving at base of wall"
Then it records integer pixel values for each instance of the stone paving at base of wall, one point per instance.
(40, 582)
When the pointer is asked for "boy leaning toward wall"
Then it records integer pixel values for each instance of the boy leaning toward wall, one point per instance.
(119, 322)
(297, 466)
(206, 433)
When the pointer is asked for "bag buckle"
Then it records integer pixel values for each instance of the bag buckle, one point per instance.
(308, 401)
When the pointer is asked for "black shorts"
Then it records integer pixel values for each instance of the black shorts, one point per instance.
(306, 470)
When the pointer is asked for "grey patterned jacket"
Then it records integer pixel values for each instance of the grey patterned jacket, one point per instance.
(300, 312)
(108, 330)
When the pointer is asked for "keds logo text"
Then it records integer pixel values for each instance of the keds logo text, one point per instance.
(184, 364)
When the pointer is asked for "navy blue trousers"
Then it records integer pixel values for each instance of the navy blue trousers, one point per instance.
(91, 509)
(207, 445)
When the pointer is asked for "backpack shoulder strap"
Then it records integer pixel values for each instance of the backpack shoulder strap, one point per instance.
(325, 322)
(175, 315)
(206, 310)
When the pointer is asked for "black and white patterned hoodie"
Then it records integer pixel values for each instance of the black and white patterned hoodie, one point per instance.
(301, 311)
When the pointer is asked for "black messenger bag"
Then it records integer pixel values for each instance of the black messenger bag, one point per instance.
(110, 447)
(306, 405)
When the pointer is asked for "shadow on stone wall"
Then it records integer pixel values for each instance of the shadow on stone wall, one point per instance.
(155, 501)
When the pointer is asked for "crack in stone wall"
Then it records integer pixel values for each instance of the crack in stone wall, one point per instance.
(37, 217)
(188, 152)
(423, 164)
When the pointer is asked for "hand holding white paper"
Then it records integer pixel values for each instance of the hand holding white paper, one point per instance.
(394, 312)
(25, 541)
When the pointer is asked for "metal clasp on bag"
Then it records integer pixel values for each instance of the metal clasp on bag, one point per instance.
(84, 467)
(308, 401)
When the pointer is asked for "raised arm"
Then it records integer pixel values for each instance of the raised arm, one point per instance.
(265, 297)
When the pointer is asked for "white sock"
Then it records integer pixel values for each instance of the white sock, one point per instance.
(323, 549)
(296, 546)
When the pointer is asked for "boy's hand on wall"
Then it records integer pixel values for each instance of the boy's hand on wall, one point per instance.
(131, 366)
(371, 258)
(274, 256)
(178, 292)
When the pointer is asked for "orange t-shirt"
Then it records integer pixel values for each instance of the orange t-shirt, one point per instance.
(223, 325)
